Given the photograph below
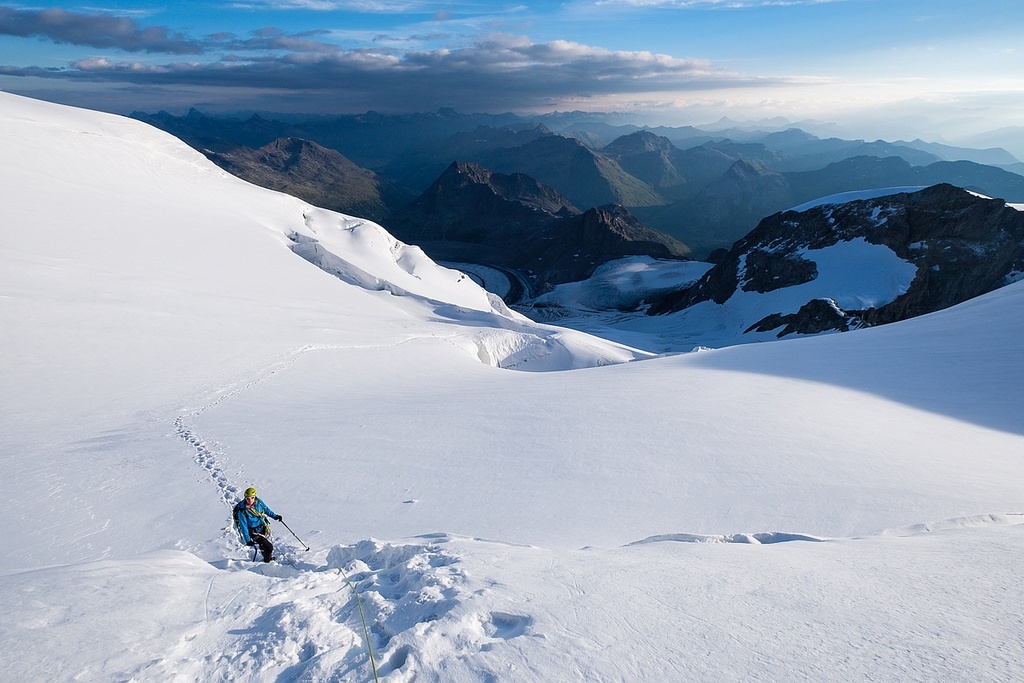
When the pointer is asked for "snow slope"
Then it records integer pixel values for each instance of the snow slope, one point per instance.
(833, 508)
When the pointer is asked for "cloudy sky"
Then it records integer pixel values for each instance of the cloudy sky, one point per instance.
(892, 67)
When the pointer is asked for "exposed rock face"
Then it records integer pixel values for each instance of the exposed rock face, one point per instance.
(315, 174)
(512, 221)
(767, 271)
(962, 246)
(814, 317)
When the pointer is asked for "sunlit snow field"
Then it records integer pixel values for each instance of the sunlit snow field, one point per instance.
(510, 501)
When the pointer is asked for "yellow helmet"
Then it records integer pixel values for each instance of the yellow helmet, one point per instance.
(250, 492)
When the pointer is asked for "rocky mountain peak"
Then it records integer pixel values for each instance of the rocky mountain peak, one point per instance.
(463, 172)
(284, 154)
(512, 187)
(640, 142)
(747, 170)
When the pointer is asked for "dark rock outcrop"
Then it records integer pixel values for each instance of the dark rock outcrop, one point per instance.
(962, 246)
(814, 317)
(570, 248)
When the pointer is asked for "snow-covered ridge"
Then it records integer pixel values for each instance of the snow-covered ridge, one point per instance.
(201, 215)
(855, 195)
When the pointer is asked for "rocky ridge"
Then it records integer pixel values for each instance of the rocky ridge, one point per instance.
(962, 245)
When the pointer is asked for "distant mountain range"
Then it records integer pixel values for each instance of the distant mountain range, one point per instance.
(370, 140)
(704, 189)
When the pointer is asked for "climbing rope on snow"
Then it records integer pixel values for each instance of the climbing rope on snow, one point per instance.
(363, 617)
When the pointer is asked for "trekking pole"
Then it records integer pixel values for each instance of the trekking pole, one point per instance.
(306, 547)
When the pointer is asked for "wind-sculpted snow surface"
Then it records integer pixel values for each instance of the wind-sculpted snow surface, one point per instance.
(769, 537)
(758, 538)
(421, 607)
(974, 521)
(234, 620)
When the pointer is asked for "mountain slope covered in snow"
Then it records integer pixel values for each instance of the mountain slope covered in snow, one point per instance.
(830, 508)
